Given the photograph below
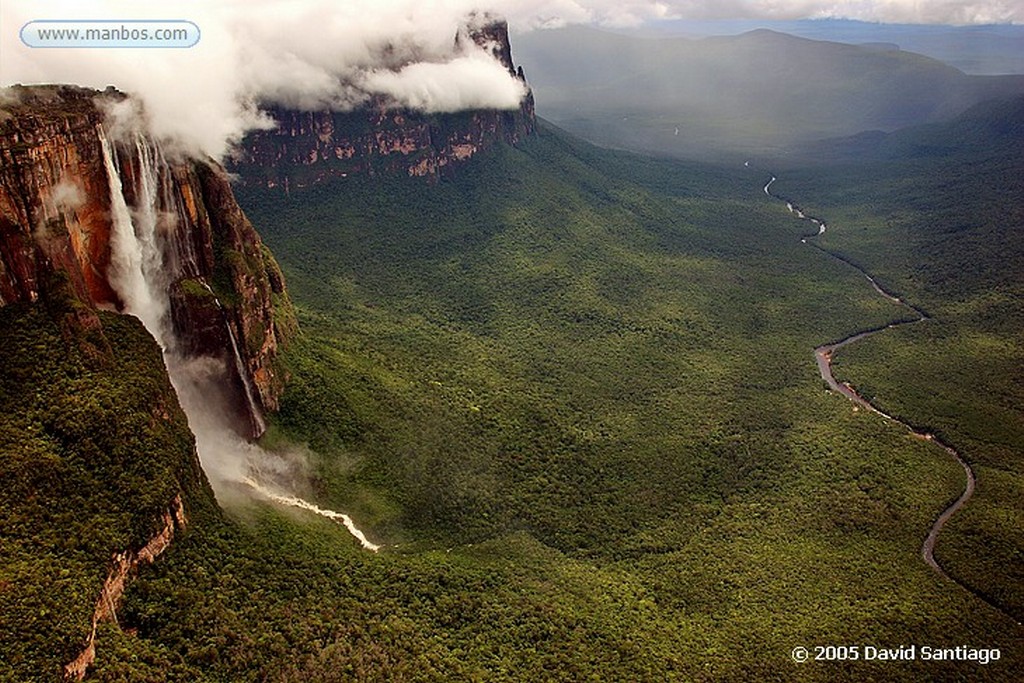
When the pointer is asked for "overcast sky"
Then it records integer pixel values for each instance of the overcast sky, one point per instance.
(635, 12)
(336, 53)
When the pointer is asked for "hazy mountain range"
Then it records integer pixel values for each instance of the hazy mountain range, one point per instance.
(758, 92)
(977, 49)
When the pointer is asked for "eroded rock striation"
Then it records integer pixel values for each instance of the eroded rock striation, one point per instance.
(124, 566)
(311, 147)
(56, 219)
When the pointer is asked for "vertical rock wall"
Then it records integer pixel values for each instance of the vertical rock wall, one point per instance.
(311, 147)
(55, 221)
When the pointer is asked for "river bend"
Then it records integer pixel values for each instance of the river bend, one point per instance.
(823, 357)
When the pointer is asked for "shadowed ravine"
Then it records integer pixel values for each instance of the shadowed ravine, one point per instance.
(823, 357)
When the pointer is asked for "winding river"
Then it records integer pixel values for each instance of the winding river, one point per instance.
(823, 356)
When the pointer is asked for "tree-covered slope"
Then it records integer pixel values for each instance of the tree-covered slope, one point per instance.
(572, 394)
(93, 451)
(611, 357)
(936, 213)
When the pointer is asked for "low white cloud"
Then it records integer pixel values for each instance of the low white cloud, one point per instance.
(337, 53)
(472, 82)
(66, 195)
(306, 53)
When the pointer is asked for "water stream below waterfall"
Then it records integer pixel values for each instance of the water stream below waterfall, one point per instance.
(141, 278)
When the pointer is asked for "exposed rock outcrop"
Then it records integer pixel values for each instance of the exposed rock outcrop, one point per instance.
(124, 567)
(56, 217)
(54, 201)
(311, 147)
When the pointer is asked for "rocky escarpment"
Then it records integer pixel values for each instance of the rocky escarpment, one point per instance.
(56, 217)
(54, 201)
(97, 471)
(124, 567)
(311, 147)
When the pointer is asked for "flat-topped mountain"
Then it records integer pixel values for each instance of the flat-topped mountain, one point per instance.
(310, 147)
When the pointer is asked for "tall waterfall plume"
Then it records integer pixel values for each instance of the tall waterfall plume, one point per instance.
(147, 256)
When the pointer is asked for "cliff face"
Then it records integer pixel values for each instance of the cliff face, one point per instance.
(125, 565)
(100, 472)
(54, 201)
(310, 147)
(57, 218)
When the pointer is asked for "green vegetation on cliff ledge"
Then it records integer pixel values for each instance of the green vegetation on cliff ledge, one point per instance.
(93, 448)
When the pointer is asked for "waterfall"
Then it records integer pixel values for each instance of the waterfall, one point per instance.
(258, 425)
(146, 216)
(134, 255)
(292, 501)
(141, 273)
(137, 271)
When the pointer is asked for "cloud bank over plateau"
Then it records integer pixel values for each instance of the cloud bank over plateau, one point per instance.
(320, 54)
(312, 54)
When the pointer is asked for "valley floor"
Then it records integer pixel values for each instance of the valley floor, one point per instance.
(571, 393)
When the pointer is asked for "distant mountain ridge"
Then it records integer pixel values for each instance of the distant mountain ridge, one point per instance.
(756, 92)
(974, 49)
(993, 127)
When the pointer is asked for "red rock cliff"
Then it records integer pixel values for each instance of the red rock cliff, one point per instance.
(310, 147)
(56, 219)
